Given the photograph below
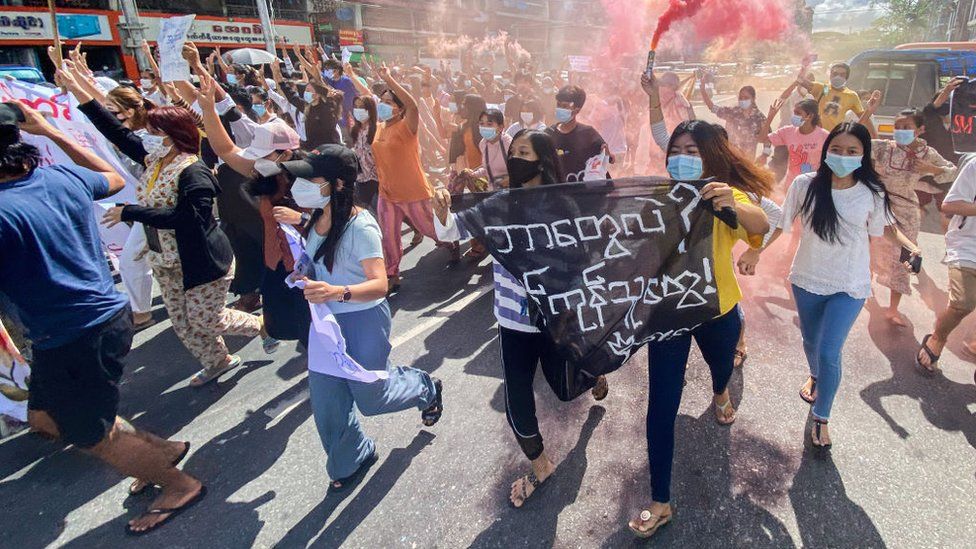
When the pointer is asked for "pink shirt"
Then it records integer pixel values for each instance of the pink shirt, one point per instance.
(805, 150)
(494, 156)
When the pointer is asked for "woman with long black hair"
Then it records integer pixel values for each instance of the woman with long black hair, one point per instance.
(363, 132)
(841, 206)
(532, 161)
(699, 150)
(348, 273)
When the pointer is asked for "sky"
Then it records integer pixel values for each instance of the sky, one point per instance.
(842, 15)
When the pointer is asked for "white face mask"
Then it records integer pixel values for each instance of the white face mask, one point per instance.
(308, 194)
(526, 117)
(145, 83)
(153, 143)
(745, 103)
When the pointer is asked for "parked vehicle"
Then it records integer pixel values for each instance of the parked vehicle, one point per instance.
(22, 73)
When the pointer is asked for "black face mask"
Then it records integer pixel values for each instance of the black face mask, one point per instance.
(521, 171)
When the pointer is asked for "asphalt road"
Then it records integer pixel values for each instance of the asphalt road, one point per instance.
(901, 473)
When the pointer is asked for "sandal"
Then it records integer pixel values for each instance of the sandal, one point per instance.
(432, 414)
(270, 345)
(810, 397)
(720, 413)
(343, 484)
(135, 490)
(205, 375)
(740, 358)
(933, 358)
(601, 389)
(171, 513)
(657, 521)
(532, 481)
(817, 423)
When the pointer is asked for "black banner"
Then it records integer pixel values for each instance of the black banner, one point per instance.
(608, 265)
(962, 112)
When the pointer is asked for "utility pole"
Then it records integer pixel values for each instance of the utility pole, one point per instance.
(267, 29)
(133, 28)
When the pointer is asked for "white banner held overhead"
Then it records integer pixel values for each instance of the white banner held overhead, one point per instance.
(172, 36)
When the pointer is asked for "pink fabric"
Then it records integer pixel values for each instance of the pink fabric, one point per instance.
(391, 215)
(805, 150)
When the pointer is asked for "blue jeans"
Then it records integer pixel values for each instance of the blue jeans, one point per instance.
(825, 321)
(667, 360)
(367, 335)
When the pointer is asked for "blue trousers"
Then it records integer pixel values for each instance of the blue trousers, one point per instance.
(667, 360)
(367, 335)
(825, 321)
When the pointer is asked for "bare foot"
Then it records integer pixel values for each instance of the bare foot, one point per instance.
(935, 347)
(174, 495)
(524, 487)
(809, 390)
(650, 519)
(896, 319)
(140, 319)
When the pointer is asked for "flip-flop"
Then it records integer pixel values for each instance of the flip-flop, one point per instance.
(170, 512)
(646, 516)
(432, 414)
(721, 409)
(813, 388)
(533, 481)
(346, 483)
(601, 389)
(177, 461)
(740, 357)
(933, 366)
(205, 376)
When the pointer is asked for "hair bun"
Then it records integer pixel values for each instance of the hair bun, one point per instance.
(9, 134)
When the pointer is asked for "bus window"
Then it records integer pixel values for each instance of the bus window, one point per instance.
(901, 81)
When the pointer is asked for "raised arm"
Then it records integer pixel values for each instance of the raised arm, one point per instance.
(361, 89)
(105, 122)
(659, 132)
(768, 122)
(873, 103)
(412, 114)
(704, 93)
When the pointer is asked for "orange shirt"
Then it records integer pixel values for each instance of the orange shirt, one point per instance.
(472, 154)
(396, 151)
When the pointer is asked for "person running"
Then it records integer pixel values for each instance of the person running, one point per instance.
(840, 207)
(54, 273)
(901, 164)
(835, 98)
(576, 144)
(532, 161)
(697, 150)
(960, 203)
(404, 190)
(190, 255)
(744, 122)
(346, 250)
(803, 138)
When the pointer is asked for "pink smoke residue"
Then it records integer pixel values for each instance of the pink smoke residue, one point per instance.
(677, 9)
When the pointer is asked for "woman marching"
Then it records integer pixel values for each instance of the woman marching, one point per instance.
(348, 274)
(840, 207)
(698, 150)
(532, 161)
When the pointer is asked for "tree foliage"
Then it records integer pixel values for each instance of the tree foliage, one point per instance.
(905, 20)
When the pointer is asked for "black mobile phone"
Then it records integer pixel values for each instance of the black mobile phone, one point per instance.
(914, 262)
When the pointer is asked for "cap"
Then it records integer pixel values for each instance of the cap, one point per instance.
(106, 83)
(270, 137)
(328, 161)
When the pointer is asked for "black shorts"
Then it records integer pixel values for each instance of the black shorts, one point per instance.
(77, 384)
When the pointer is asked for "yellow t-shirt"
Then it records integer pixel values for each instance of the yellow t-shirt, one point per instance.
(723, 240)
(834, 104)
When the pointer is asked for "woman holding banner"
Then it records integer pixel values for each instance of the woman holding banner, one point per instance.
(532, 161)
(699, 150)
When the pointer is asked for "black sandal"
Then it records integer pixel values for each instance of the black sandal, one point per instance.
(817, 423)
(343, 484)
(933, 358)
(532, 480)
(813, 389)
(177, 461)
(432, 414)
(171, 512)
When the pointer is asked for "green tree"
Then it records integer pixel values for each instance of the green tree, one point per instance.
(904, 20)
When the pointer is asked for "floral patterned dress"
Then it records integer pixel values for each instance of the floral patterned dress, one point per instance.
(159, 188)
(898, 169)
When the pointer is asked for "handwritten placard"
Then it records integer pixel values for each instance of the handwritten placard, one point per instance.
(172, 36)
(580, 63)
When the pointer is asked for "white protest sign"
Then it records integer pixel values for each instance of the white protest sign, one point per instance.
(172, 35)
(579, 63)
(14, 373)
(326, 346)
(346, 56)
(61, 110)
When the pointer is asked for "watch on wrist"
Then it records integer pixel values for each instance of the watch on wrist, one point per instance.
(346, 295)
(305, 218)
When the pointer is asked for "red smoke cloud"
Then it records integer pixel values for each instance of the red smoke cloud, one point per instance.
(677, 9)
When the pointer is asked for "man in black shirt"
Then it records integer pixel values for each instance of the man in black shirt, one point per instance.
(576, 144)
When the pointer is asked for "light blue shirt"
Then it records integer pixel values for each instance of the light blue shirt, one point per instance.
(360, 241)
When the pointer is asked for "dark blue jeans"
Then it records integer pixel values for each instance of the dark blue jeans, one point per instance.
(667, 360)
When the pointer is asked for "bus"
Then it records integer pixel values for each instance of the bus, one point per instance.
(908, 76)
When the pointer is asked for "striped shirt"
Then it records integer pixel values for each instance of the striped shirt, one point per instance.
(511, 302)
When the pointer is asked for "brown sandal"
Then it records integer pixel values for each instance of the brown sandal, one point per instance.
(657, 521)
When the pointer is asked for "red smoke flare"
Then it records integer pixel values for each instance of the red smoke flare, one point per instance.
(677, 9)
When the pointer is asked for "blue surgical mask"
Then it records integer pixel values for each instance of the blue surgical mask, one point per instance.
(384, 112)
(259, 109)
(452, 107)
(904, 137)
(308, 96)
(563, 115)
(685, 167)
(361, 115)
(488, 133)
(842, 166)
(232, 79)
(797, 120)
(745, 104)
